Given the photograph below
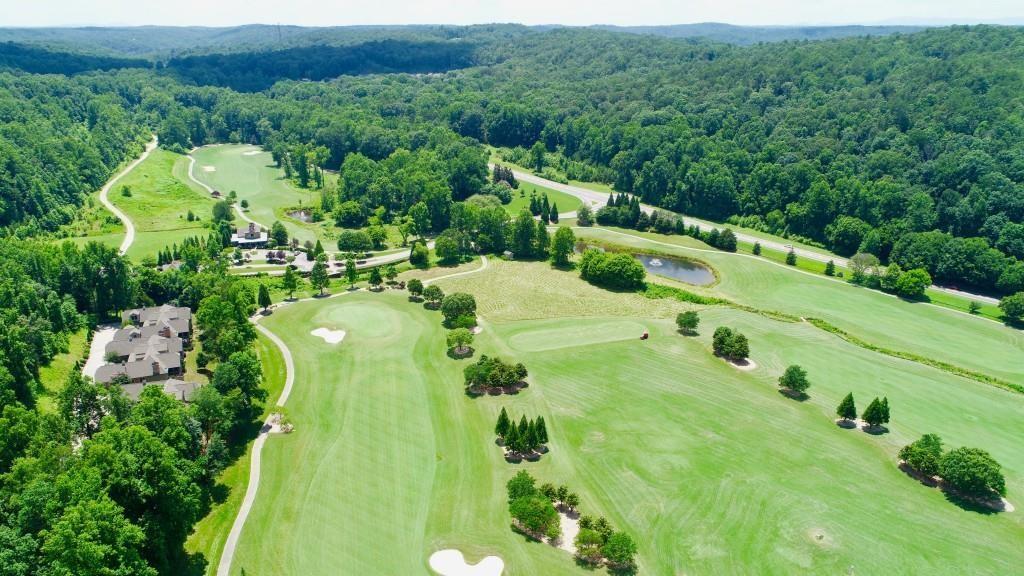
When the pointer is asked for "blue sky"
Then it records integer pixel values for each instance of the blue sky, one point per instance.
(572, 12)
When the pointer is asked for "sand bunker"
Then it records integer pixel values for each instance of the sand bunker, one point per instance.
(329, 336)
(570, 528)
(209, 168)
(452, 563)
(251, 153)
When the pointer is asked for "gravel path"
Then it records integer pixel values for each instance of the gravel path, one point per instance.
(231, 544)
(129, 228)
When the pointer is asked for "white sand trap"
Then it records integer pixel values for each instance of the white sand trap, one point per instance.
(329, 336)
(570, 528)
(209, 168)
(251, 152)
(452, 563)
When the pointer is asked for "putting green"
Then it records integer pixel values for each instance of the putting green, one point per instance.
(710, 468)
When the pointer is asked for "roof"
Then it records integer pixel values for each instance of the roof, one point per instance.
(179, 318)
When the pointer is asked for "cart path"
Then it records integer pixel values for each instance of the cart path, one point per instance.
(129, 227)
(231, 544)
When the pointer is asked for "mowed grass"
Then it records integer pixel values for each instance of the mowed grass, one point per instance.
(251, 173)
(710, 468)
(158, 206)
(884, 320)
(521, 199)
(389, 462)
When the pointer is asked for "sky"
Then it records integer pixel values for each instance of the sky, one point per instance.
(569, 12)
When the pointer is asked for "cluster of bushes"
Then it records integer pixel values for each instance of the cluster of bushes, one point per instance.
(875, 415)
(866, 271)
(526, 438)
(504, 174)
(612, 270)
(534, 513)
(492, 374)
(971, 472)
(730, 344)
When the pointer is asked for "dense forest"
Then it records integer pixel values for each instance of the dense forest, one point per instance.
(909, 147)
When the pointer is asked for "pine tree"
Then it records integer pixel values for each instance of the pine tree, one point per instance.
(830, 268)
(542, 431)
(554, 213)
(512, 438)
(757, 249)
(264, 297)
(290, 281)
(530, 439)
(611, 200)
(847, 410)
(791, 257)
(542, 238)
(885, 410)
(501, 428)
(524, 424)
(545, 208)
(874, 413)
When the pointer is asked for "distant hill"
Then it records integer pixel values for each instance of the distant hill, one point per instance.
(162, 42)
(753, 34)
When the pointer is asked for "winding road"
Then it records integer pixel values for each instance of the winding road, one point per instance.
(231, 544)
(129, 228)
(598, 199)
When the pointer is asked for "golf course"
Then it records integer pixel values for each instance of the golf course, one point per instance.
(710, 468)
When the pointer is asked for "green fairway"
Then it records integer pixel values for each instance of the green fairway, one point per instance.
(882, 319)
(251, 174)
(710, 468)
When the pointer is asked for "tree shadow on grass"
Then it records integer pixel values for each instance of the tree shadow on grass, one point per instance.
(454, 354)
(875, 430)
(971, 504)
(190, 564)
(794, 394)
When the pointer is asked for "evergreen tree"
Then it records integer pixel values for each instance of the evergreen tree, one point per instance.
(542, 431)
(501, 428)
(874, 414)
(264, 297)
(530, 439)
(885, 410)
(611, 200)
(791, 257)
(757, 249)
(318, 276)
(847, 410)
(542, 238)
(350, 272)
(554, 213)
(375, 278)
(524, 425)
(512, 438)
(290, 281)
(830, 268)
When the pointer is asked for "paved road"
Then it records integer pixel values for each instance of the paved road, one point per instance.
(231, 544)
(129, 228)
(599, 199)
(304, 265)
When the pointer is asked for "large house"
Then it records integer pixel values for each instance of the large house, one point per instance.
(150, 348)
(251, 236)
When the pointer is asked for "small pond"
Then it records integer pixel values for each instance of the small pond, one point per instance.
(677, 269)
(301, 215)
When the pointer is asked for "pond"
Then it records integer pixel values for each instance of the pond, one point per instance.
(677, 269)
(301, 215)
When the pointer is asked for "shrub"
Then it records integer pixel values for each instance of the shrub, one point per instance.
(619, 271)
(419, 255)
(354, 241)
(923, 454)
(1013, 306)
(972, 472)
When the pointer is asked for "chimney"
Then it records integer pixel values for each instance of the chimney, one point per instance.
(156, 368)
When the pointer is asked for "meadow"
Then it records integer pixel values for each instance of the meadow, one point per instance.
(708, 467)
